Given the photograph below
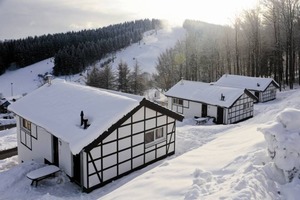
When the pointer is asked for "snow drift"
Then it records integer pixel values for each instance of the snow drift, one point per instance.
(283, 139)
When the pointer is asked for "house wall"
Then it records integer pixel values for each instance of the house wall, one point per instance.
(241, 110)
(189, 108)
(125, 149)
(212, 111)
(269, 94)
(34, 144)
(65, 157)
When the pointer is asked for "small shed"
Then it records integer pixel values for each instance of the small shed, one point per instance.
(93, 135)
(3, 105)
(263, 88)
(227, 105)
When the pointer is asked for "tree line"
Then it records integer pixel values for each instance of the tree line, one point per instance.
(261, 42)
(73, 51)
(122, 79)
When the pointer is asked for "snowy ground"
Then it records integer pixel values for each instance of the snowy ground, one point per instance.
(211, 162)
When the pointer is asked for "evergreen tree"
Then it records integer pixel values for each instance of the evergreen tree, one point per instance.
(107, 78)
(137, 81)
(123, 77)
(93, 78)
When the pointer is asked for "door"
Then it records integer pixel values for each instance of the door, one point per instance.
(204, 110)
(220, 113)
(257, 95)
(55, 150)
(77, 169)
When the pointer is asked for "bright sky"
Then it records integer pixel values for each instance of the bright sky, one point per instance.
(22, 18)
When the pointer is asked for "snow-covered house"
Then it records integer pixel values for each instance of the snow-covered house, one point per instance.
(227, 105)
(263, 88)
(93, 135)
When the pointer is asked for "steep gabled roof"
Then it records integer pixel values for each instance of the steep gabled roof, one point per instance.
(205, 93)
(250, 83)
(57, 108)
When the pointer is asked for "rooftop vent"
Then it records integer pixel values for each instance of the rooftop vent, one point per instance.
(258, 84)
(181, 81)
(222, 97)
(83, 121)
(49, 78)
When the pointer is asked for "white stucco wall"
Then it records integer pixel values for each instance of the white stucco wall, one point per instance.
(65, 157)
(41, 144)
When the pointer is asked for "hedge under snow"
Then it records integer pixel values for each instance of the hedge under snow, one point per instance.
(283, 141)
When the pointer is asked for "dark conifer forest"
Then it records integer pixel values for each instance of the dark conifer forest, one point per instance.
(73, 51)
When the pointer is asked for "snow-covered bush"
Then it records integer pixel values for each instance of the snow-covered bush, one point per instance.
(283, 141)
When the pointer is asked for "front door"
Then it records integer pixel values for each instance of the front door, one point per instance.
(76, 169)
(257, 95)
(220, 115)
(55, 150)
(204, 110)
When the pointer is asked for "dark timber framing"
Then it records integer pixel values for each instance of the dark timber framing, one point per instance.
(269, 93)
(240, 110)
(122, 149)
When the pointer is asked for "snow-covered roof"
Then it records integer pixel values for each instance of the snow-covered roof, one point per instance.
(251, 83)
(57, 108)
(205, 92)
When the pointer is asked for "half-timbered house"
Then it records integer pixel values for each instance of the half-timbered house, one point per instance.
(263, 88)
(197, 99)
(93, 135)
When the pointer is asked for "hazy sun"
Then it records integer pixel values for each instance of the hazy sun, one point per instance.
(212, 11)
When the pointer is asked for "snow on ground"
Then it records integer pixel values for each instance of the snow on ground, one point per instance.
(211, 162)
(8, 139)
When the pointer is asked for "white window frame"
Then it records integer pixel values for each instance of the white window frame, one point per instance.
(26, 124)
(177, 101)
(156, 139)
(26, 133)
(247, 106)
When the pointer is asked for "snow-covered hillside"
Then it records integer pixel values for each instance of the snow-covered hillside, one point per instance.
(145, 53)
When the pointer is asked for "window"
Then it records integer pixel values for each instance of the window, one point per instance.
(26, 139)
(26, 134)
(177, 101)
(273, 92)
(159, 133)
(26, 124)
(149, 137)
(154, 136)
(246, 106)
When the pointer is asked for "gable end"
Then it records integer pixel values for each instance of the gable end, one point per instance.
(145, 103)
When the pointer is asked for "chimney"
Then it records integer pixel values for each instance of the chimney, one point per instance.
(181, 81)
(85, 124)
(81, 118)
(222, 97)
(258, 84)
(49, 78)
